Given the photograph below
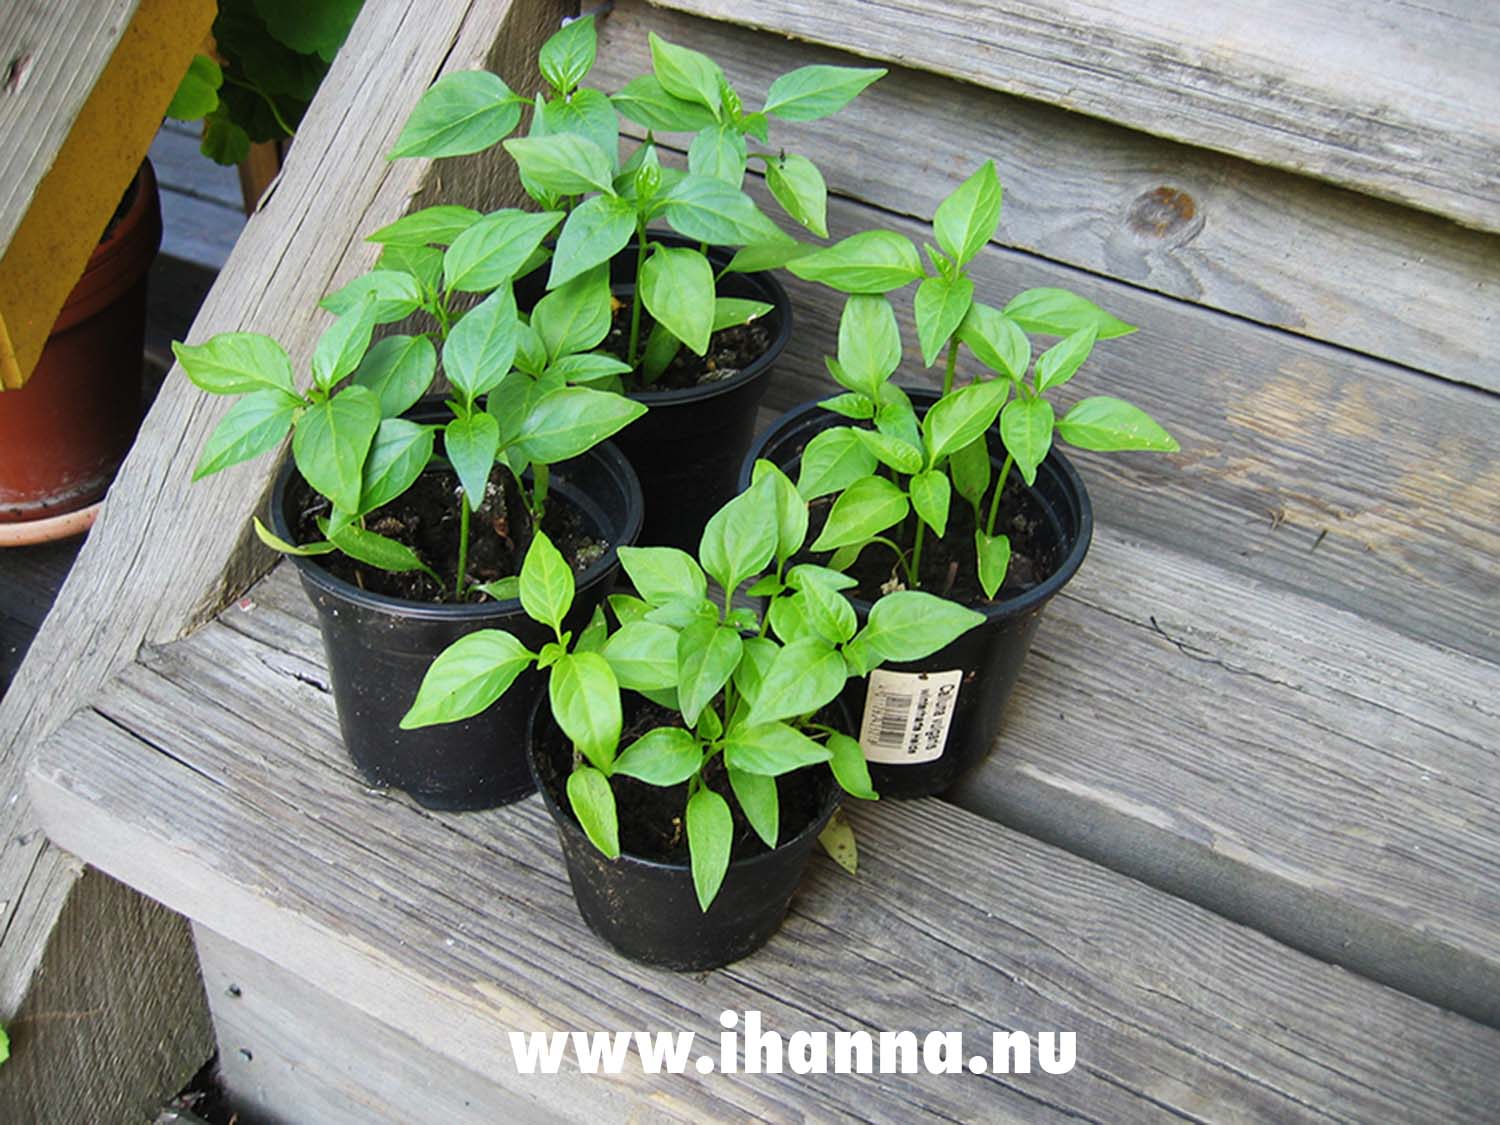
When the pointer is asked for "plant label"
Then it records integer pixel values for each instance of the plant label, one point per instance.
(907, 715)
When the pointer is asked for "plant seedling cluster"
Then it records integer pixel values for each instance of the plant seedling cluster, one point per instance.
(896, 465)
(745, 685)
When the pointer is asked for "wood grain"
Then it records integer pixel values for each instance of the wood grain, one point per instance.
(241, 810)
(1392, 98)
(1326, 474)
(1270, 246)
(135, 579)
(1297, 768)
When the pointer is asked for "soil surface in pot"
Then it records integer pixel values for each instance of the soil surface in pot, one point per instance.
(426, 519)
(652, 818)
(730, 351)
(949, 568)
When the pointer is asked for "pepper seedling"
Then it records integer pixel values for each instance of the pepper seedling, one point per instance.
(897, 466)
(744, 685)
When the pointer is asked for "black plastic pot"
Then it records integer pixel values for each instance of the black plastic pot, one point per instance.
(989, 656)
(379, 648)
(647, 909)
(688, 447)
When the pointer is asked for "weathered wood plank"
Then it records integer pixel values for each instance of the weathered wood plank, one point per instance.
(1297, 768)
(274, 1029)
(134, 580)
(1339, 477)
(1394, 98)
(1273, 247)
(459, 928)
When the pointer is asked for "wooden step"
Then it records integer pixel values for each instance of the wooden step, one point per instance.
(210, 775)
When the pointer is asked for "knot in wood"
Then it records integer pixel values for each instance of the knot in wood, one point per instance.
(1164, 214)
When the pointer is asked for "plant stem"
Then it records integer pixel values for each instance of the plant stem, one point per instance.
(635, 298)
(270, 102)
(914, 572)
(952, 366)
(989, 527)
(463, 545)
(541, 476)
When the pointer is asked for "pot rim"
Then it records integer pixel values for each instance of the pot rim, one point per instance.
(1055, 460)
(598, 570)
(565, 822)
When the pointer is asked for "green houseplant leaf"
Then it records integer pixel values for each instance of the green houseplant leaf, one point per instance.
(460, 114)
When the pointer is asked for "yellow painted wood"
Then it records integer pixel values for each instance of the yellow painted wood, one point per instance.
(74, 201)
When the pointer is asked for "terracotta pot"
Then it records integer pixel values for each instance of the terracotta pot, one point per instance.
(63, 434)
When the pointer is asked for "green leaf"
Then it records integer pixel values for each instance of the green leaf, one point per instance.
(993, 553)
(710, 830)
(911, 625)
(576, 316)
(647, 102)
(677, 287)
(686, 73)
(395, 294)
(492, 251)
(897, 418)
(224, 141)
(585, 702)
(798, 186)
(629, 608)
(546, 588)
(643, 655)
(996, 340)
(849, 767)
(590, 367)
(679, 613)
(940, 306)
(771, 750)
(399, 370)
(1111, 424)
(740, 538)
(568, 55)
(790, 620)
(970, 469)
(1057, 364)
(892, 451)
(806, 575)
(330, 440)
(718, 151)
(1026, 429)
(837, 839)
(854, 405)
(664, 756)
(595, 232)
(663, 574)
(399, 453)
(810, 92)
(340, 348)
(563, 163)
(873, 261)
(471, 442)
(832, 461)
(869, 343)
(423, 263)
(805, 676)
(865, 509)
(1057, 312)
(709, 210)
(732, 311)
(760, 803)
(585, 112)
(236, 363)
(467, 676)
(827, 611)
(967, 219)
(309, 28)
(593, 803)
(957, 420)
(254, 425)
(276, 543)
(707, 654)
(930, 495)
(438, 225)
(571, 420)
(771, 253)
(755, 661)
(791, 510)
(460, 114)
(481, 347)
(373, 549)
(198, 93)
(661, 348)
